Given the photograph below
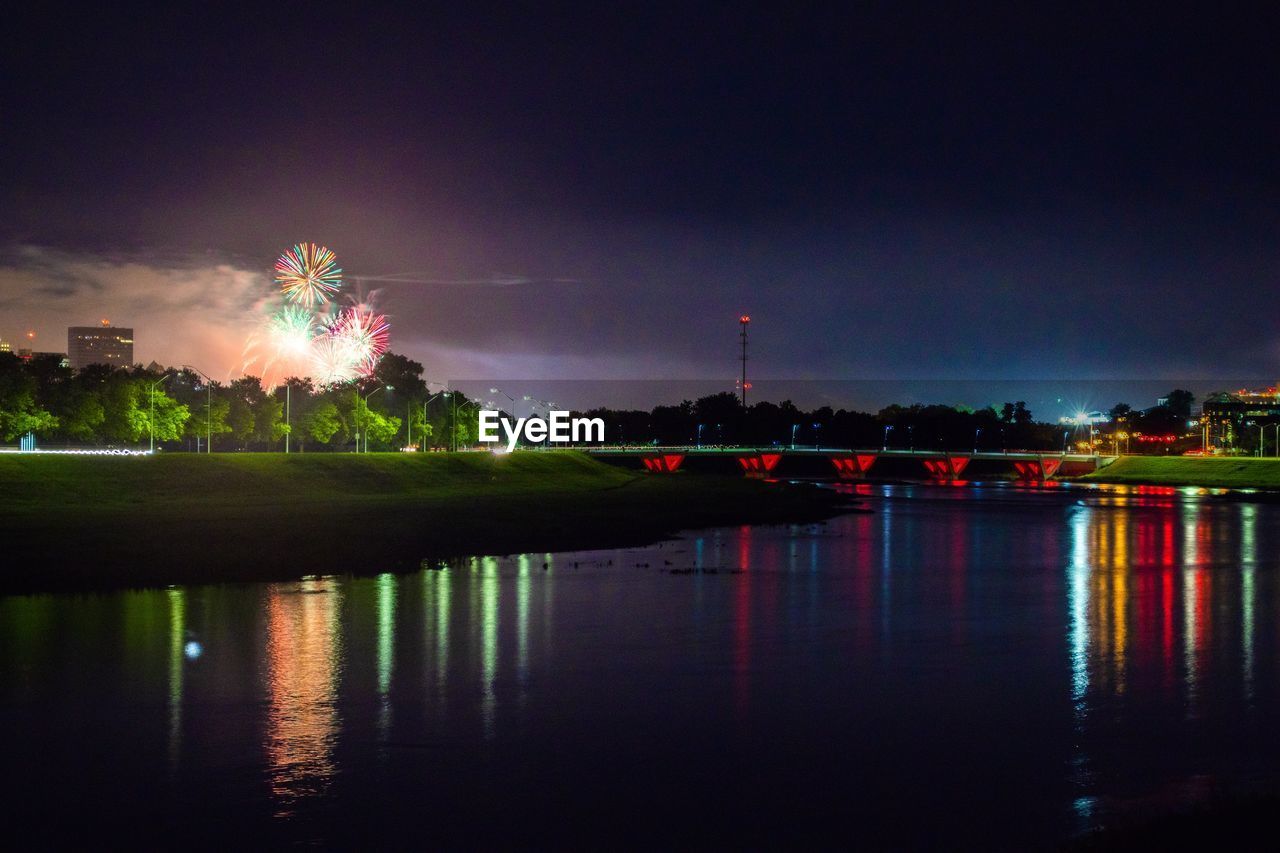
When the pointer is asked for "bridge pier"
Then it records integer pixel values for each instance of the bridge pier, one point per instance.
(947, 467)
(663, 463)
(1037, 470)
(759, 464)
(852, 466)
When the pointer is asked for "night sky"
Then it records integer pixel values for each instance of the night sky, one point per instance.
(586, 195)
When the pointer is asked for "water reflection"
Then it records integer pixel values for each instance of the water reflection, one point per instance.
(177, 660)
(488, 624)
(1112, 646)
(304, 658)
(386, 648)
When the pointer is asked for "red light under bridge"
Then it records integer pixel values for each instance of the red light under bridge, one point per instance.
(759, 464)
(1037, 470)
(663, 463)
(853, 466)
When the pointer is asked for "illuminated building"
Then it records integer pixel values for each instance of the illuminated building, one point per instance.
(27, 354)
(1236, 419)
(104, 344)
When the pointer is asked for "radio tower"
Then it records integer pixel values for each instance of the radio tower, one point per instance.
(745, 320)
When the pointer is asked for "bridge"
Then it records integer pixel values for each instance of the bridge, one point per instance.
(847, 464)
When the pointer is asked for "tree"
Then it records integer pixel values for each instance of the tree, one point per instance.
(322, 423)
(124, 410)
(268, 419)
(19, 412)
(401, 373)
(167, 416)
(720, 415)
(80, 412)
(380, 429)
(674, 424)
(1179, 402)
(208, 417)
(255, 415)
(1015, 413)
(1120, 411)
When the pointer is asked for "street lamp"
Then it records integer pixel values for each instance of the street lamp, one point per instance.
(366, 405)
(509, 397)
(977, 432)
(424, 410)
(887, 430)
(151, 408)
(208, 408)
(288, 412)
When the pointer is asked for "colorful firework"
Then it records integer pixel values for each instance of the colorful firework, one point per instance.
(308, 274)
(292, 330)
(307, 332)
(331, 362)
(364, 335)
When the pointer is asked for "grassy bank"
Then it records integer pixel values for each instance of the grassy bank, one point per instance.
(92, 522)
(1211, 472)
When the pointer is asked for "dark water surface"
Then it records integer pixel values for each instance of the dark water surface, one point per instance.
(995, 665)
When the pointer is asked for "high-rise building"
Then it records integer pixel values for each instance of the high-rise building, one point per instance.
(103, 344)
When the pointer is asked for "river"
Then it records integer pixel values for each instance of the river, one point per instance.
(994, 665)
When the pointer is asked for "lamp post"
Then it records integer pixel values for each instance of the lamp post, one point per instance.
(534, 402)
(977, 432)
(151, 408)
(288, 422)
(208, 407)
(508, 396)
(888, 429)
(366, 404)
(424, 410)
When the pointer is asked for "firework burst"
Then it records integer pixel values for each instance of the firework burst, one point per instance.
(303, 330)
(308, 274)
(291, 330)
(331, 362)
(365, 335)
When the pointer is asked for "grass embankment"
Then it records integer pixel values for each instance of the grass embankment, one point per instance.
(86, 522)
(1210, 472)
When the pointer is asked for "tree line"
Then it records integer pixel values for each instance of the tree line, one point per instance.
(721, 419)
(105, 406)
(101, 405)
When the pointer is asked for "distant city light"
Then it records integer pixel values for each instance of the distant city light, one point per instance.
(192, 650)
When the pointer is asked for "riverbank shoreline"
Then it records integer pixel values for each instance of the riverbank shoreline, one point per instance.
(1229, 472)
(94, 523)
